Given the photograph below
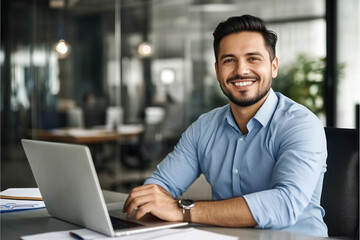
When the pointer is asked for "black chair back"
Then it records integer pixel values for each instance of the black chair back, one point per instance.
(340, 196)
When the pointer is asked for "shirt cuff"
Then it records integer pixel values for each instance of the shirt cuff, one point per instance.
(260, 215)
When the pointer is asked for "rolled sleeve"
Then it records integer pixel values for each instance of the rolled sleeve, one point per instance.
(297, 173)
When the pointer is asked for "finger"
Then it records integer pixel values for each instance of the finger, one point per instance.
(136, 192)
(138, 203)
(168, 211)
(143, 210)
(150, 189)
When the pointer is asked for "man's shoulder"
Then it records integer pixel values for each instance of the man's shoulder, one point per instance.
(291, 118)
(289, 109)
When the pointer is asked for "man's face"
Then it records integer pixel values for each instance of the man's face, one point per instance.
(244, 69)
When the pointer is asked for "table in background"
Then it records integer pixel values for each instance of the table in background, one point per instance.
(17, 224)
(97, 139)
(87, 136)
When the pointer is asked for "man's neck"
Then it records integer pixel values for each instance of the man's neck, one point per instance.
(242, 115)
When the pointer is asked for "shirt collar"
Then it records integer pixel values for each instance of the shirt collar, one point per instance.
(263, 115)
(229, 118)
(265, 112)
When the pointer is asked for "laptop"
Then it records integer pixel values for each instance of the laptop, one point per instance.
(66, 177)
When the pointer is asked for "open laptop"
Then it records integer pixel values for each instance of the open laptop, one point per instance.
(66, 177)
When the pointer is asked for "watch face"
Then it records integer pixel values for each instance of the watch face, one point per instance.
(186, 202)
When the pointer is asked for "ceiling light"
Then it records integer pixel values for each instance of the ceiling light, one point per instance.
(62, 48)
(145, 49)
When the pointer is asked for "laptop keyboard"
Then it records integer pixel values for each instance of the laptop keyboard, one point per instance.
(123, 224)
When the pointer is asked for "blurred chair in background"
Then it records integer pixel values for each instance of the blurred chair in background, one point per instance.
(94, 109)
(75, 117)
(340, 196)
(150, 144)
(114, 117)
(140, 155)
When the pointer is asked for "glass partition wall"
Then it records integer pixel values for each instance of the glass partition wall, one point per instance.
(58, 55)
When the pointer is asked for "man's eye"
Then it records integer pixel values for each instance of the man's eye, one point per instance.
(228, 60)
(254, 59)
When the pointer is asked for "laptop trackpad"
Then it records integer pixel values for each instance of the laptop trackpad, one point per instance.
(123, 224)
(148, 219)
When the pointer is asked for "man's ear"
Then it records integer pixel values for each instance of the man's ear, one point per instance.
(274, 67)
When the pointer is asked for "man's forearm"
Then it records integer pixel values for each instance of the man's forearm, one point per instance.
(230, 213)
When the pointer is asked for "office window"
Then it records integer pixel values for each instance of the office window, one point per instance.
(348, 55)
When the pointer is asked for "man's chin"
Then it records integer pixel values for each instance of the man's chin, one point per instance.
(246, 101)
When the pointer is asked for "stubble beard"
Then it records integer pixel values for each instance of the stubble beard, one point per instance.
(243, 100)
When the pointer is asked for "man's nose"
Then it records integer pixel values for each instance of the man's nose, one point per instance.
(242, 68)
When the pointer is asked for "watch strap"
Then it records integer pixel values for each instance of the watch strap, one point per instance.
(187, 215)
(186, 205)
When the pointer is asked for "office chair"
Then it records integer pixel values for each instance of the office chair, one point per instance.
(340, 195)
(150, 145)
(114, 117)
(94, 113)
(75, 117)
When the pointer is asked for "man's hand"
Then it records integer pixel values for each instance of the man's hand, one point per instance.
(155, 200)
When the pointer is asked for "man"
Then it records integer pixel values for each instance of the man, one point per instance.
(263, 154)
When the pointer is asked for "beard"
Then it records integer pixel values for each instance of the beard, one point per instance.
(243, 100)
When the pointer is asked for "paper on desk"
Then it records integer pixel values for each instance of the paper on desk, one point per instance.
(192, 233)
(88, 234)
(9, 205)
(22, 192)
(130, 128)
(173, 234)
(64, 235)
(86, 132)
(12, 202)
(152, 235)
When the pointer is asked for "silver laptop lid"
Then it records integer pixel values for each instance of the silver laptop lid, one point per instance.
(66, 177)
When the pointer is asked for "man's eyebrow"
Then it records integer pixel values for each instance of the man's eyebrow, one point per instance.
(247, 54)
(254, 53)
(227, 56)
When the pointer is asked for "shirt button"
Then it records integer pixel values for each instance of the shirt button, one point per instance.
(236, 171)
(241, 139)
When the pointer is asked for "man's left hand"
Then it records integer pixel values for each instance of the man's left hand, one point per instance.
(155, 200)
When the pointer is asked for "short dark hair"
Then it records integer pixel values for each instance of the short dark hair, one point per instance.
(245, 23)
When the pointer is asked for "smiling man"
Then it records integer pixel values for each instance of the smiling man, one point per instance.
(263, 154)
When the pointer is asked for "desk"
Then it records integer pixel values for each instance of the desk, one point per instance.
(17, 224)
(87, 136)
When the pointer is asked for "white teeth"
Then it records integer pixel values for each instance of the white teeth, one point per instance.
(242, 84)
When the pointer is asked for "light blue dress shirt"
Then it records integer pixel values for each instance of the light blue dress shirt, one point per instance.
(278, 166)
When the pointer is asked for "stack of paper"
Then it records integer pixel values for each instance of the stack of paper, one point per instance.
(20, 199)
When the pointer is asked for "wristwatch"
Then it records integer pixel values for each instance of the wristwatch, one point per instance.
(186, 205)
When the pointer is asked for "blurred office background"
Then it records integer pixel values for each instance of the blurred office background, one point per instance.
(57, 56)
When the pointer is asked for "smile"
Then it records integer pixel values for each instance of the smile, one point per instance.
(243, 84)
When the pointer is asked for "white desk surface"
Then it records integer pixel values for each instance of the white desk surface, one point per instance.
(17, 224)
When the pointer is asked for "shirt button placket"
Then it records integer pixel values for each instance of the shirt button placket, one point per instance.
(237, 159)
